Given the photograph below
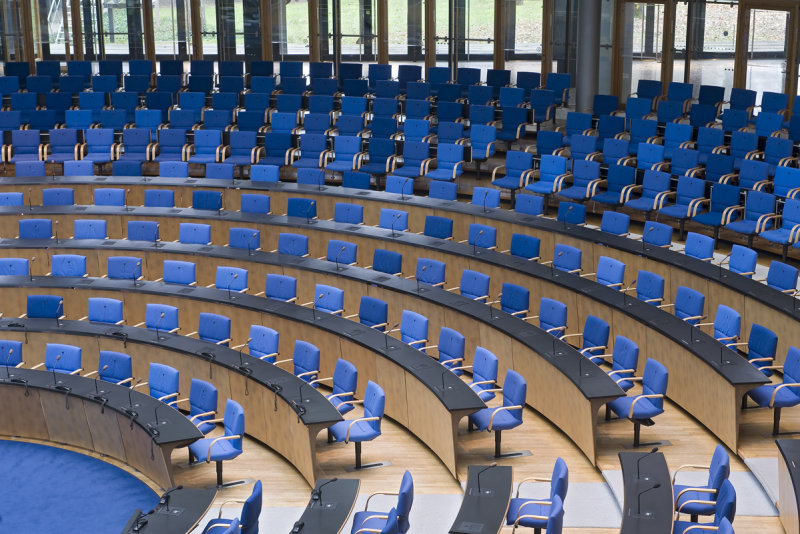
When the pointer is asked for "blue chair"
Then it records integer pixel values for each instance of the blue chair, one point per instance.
(394, 220)
(485, 197)
(473, 285)
(624, 362)
(481, 235)
(163, 382)
(161, 318)
(514, 300)
(109, 197)
(529, 205)
(484, 373)
(173, 169)
(387, 261)
(192, 233)
(782, 277)
(699, 246)
(442, 190)
(347, 154)
(413, 329)
(344, 382)
(397, 520)
(213, 328)
(63, 146)
(59, 358)
(415, 161)
(535, 513)
(224, 448)
(552, 173)
(438, 227)
(248, 522)
(689, 198)
(356, 180)
(742, 260)
(727, 325)
(640, 409)
(787, 233)
(14, 267)
(29, 169)
(724, 511)
(615, 223)
(231, 279)
(58, 197)
(785, 394)
(506, 417)
(364, 428)
(78, 168)
(245, 238)
(342, 252)
(114, 367)
(67, 265)
(265, 173)
(372, 312)
(552, 317)
(90, 229)
(449, 161)
(280, 287)
(302, 207)
(254, 203)
(105, 310)
(431, 272)
(143, 231)
(305, 361)
(35, 229)
(328, 299)
(292, 244)
(610, 272)
(178, 272)
(524, 246)
(99, 145)
(619, 180)
(724, 208)
(688, 305)
(655, 190)
(566, 258)
(344, 212)
(262, 343)
(11, 353)
(220, 171)
(762, 345)
(518, 172)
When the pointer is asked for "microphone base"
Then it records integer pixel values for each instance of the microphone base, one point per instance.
(481, 492)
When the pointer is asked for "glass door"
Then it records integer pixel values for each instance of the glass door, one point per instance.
(767, 50)
(171, 29)
(465, 33)
(11, 42)
(639, 46)
(112, 29)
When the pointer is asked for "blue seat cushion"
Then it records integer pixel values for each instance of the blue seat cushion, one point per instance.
(223, 450)
(644, 408)
(574, 193)
(531, 509)
(361, 431)
(678, 211)
(203, 158)
(779, 235)
(694, 508)
(340, 165)
(378, 167)
(608, 197)
(375, 523)
(307, 163)
(762, 395)
(641, 204)
(217, 525)
(543, 188)
(441, 174)
(507, 182)
(503, 420)
(410, 170)
(743, 227)
(710, 219)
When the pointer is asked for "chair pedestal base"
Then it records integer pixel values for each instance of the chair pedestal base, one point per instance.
(637, 425)
(220, 484)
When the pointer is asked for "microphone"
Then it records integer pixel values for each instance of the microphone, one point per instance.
(625, 292)
(8, 359)
(639, 498)
(97, 393)
(55, 380)
(56, 232)
(234, 277)
(403, 189)
(475, 243)
(316, 495)
(486, 194)
(314, 307)
(127, 192)
(566, 216)
(164, 500)
(491, 465)
(646, 233)
(396, 218)
(336, 259)
(155, 412)
(249, 243)
(308, 211)
(424, 268)
(59, 311)
(242, 366)
(133, 274)
(642, 457)
(491, 310)
(30, 204)
(158, 336)
(721, 262)
(30, 268)
(387, 336)
(722, 361)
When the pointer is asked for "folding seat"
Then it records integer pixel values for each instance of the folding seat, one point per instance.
(566, 258)
(313, 152)
(722, 209)
(416, 130)
(609, 127)
(308, 176)
(400, 185)
(178, 272)
(230, 84)
(220, 171)
(9, 121)
(149, 119)
(99, 146)
(292, 244)
(89, 229)
(654, 192)
(559, 83)
(689, 199)
(344, 212)
(719, 168)
(551, 173)
(571, 213)
(387, 261)
(642, 132)
(786, 234)
(14, 267)
(386, 89)
(529, 81)
(137, 83)
(9, 85)
(450, 133)
(759, 211)
(741, 145)
(514, 300)
(355, 87)
(286, 103)
(264, 173)
(448, 92)
(364, 429)
(415, 160)
(278, 147)
(437, 75)
(129, 268)
(506, 417)
(576, 124)
(61, 196)
(449, 160)
(173, 169)
(207, 147)
(585, 180)
(707, 140)
(143, 231)
(383, 128)
(699, 246)
(450, 112)
(63, 146)
(768, 124)
(442, 190)
(127, 102)
(379, 153)
(482, 140)
(438, 227)
(394, 220)
(356, 180)
(415, 109)
(43, 119)
(637, 109)
(734, 120)
(59, 358)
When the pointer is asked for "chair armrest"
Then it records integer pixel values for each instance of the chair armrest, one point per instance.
(194, 417)
(354, 421)
(500, 409)
(778, 388)
(640, 397)
(221, 438)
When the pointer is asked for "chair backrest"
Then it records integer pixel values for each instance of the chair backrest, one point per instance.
(395, 220)
(264, 173)
(615, 222)
(571, 212)
(118, 364)
(529, 204)
(194, 233)
(474, 285)
(159, 198)
(654, 381)
(726, 503)
(552, 316)
(292, 244)
(515, 299)
(344, 212)
(442, 190)
(743, 260)
(328, 299)
(430, 271)
(515, 391)
(689, 303)
(656, 233)
(387, 261)
(62, 358)
(105, 310)
(761, 343)
(245, 238)
(301, 207)
(699, 246)
(143, 231)
(14, 267)
(374, 402)
(231, 278)
(482, 235)
(782, 276)
(45, 306)
(484, 369)
(650, 287)
(400, 185)
(305, 360)
(373, 312)
(720, 467)
(214, 328)
(206, 200)
(566, 258)
(610, 272)
(342, 251)
(109, 197)
(356, 180)
(68, 265)
(486, 197)
(163, 316)
(345, 380)
(263, 343)
(35, 229)
(524, 246)
(280, 287)
(413, 328)
(254, 203)
(202, 399)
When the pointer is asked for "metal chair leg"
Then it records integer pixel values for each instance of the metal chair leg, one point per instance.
(776, 421)
(636, 428)
(497, 439)
(358, 454)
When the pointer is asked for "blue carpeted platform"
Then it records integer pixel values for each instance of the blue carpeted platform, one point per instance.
(50, 490)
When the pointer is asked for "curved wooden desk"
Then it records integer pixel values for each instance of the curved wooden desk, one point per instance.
(67, 409)
(256, 385)
(755, 302)
(711, 393)
(648, 494)
(572, 406)
(419, 395)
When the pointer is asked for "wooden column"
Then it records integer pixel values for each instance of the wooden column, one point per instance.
(265, 15)
(77, 30)
(668, 43)
(149, 30)
(791, 57)
(313, 30)
(430, 34)
(499, 34)
(547, 38)
(197, 28)
(383, 31)
(616, 50)
(740, 55)
(28, 51)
